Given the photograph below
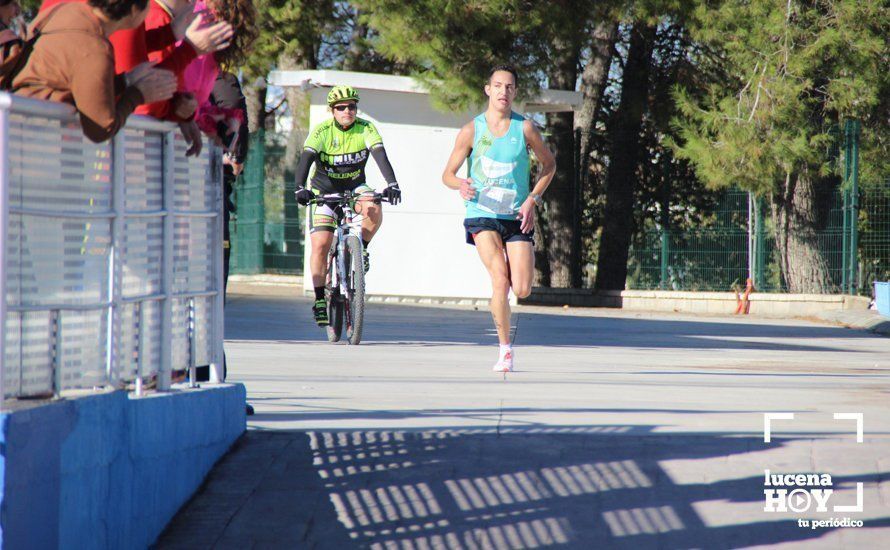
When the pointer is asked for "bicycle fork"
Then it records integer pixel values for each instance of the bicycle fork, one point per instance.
(337, 273)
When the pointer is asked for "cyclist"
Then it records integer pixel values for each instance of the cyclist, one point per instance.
(500, 214)
(339, 148)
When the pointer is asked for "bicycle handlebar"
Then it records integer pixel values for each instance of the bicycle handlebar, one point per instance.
(338, 198)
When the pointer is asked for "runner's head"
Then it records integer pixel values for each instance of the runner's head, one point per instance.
(343, 101)
(501, 87)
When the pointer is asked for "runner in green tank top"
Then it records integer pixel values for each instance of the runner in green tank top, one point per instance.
(500, 216)
(340, 148)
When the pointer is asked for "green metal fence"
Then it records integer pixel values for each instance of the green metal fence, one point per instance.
(267, 235)
(738, 242)
(874, 236)
(725, 252)
(707, 258)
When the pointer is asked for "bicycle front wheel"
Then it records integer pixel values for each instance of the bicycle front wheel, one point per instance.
(335, 300)
(355, 302)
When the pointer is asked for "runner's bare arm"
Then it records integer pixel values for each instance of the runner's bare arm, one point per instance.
(462, 146)
(542, 153)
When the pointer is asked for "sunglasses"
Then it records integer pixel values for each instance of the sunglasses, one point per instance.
(350, 106)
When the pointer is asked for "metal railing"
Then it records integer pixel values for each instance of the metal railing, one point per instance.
(111, 261)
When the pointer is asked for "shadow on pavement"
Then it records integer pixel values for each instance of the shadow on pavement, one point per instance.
(288, 320)
(566, 486)
(315, 413)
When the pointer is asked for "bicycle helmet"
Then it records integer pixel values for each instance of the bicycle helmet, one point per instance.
(342, 93)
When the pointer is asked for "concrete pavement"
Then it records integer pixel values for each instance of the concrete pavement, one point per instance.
(625, 430)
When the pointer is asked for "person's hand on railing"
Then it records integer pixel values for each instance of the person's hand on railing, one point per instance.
(154, 84)
(211, 38)
(192, 135)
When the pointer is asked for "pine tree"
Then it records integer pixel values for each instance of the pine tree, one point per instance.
(798, 69)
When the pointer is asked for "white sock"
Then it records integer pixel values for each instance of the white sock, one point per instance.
(505, 348)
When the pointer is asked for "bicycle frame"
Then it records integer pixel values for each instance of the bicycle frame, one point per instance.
(345, 283)
(349, 224)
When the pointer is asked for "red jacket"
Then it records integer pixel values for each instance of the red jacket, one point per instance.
(172, 57)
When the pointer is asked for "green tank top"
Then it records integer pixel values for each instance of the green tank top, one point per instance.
(342, 154)
(499, 168)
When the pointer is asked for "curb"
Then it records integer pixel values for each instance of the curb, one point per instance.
(868, 320)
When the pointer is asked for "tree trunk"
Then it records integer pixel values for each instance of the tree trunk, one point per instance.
(624, 159)
(542, 263)
(255, 95)
(593, 83)
(559, 243)
(796, 217)
(594, 79)
(298, 105)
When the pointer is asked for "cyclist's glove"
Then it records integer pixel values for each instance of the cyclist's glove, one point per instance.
(304, 196)
(393, 194)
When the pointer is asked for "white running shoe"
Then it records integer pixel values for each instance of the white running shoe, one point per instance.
(505, 363)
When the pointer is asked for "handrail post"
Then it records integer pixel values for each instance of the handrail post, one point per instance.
(751, 249)
(845, 234)
(193, 348)
(217, 365)
(854, 211)
(166, 359)
(4, 238)
(55, 323)
(140, 348)
(118, 179)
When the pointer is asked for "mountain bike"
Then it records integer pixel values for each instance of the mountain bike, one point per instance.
(345, 282)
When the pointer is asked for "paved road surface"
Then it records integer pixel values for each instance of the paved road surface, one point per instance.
(621, 430)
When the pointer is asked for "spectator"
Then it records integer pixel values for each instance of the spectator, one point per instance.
(200, 76)
(204, 40)
(10, 41)
(207, 39)
(84, 75)
(131, 47)
(227, 95)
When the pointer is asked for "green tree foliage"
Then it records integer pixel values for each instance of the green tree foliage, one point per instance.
(293, 28)
(454, 44)
(797, 69)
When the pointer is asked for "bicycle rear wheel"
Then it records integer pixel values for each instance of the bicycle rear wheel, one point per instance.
(355, 281)
(335, 300)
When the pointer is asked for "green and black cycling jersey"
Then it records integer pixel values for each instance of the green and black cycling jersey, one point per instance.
(340, 156)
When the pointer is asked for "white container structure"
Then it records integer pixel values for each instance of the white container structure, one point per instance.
(419, 252)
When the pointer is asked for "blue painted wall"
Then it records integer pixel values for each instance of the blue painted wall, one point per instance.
(109, 471)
